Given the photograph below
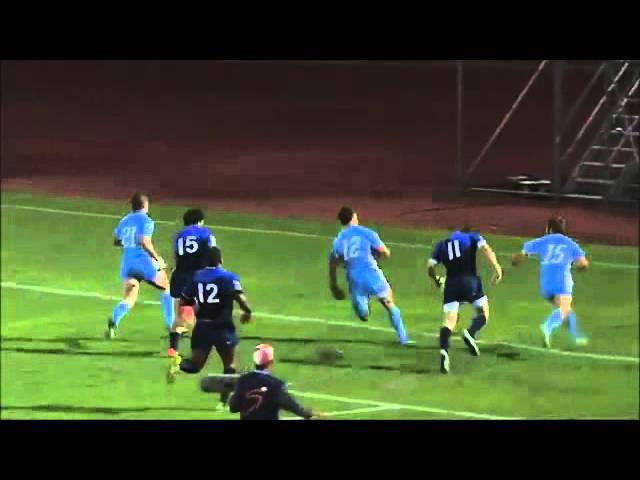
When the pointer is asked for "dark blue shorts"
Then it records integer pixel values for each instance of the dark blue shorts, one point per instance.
(207, 335)
(462, 289)
(179, 281)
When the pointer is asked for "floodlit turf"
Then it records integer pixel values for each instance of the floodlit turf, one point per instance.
(56, 364)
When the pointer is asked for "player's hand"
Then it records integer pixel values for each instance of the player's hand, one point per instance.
(497, 276)
(315, 415)
(160, 263)
(245, 318)
(439, 281)
(516, 259)
(337, 292)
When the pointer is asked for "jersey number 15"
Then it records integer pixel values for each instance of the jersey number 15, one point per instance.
(187, 244)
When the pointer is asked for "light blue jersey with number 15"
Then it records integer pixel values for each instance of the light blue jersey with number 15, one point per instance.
(556, 253)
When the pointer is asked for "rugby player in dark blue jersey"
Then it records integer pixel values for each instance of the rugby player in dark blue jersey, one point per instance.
(212, 291)
(259, 395)
(190, 249)
(462, 285)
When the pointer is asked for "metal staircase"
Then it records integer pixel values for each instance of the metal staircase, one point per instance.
(608, 168)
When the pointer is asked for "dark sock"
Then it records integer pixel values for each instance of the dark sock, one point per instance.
(445, 333)
(476, 324)
(187, 366)
(224, 396)
(174, 338)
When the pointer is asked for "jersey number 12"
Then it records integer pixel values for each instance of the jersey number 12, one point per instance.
(205, 289)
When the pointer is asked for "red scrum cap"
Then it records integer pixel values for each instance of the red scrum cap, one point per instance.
(263, 354)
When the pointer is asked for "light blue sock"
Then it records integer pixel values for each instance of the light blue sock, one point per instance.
(119, 311)
(573, 326)
(167, 309)
(398, 326)
(554, 320)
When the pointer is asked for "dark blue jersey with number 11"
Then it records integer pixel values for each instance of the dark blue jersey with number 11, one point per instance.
(458, 253)
(213, 289)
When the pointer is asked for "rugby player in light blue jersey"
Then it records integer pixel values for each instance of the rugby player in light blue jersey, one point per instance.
(355, 247)
(557, 254)
(140, 261)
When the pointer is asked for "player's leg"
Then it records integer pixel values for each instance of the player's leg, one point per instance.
(376, 284)
(130, 289)
(226, 346)
(359, 299)
(450, 318)
(564, 304)
(395, 317)
(481, 318)
(201, 344)
(475, 295)
(158, 279)
(183, 315)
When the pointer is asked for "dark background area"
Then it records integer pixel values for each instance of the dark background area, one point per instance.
(274, 131)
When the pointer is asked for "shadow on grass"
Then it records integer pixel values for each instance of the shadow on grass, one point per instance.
(386, 368)
(103, 410)
(62, 351)
(338, 341)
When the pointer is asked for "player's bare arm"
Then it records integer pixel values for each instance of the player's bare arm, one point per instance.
(336, 291)
(382, 252)
(241, 300)
(581, 263)
(490, 255)
(288, 403)
(148, 247)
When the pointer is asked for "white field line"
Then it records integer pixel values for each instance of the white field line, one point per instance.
(293, 318)
(273, 232)
(402, 406)
(354, 411)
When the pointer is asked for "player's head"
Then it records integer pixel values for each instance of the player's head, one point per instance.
(139, 201)
(557, 224)
(346, 216)
(214, 257)
(263, 356)
(193, 216)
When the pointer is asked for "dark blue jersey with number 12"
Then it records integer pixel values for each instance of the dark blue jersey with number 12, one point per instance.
(213, 289)
(190, 248)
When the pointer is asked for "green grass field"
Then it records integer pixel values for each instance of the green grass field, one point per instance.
(60, 272)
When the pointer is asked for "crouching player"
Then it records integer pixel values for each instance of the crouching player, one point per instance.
(259, 395)
(212, 290)
(190, 248)
(462, 285)
(140, 261)
(557, 253)
(355, 247)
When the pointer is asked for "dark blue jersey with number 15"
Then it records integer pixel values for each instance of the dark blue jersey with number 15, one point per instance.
(190, 248)
(458, 253)
(213, 289)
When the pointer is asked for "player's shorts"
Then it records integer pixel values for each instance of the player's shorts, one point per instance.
(179, 281)
(141, 268)
(365, 284)
(462, 289)
(207, 334)
(549, 292)
(368, 283)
